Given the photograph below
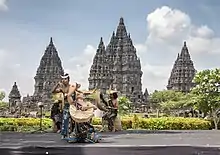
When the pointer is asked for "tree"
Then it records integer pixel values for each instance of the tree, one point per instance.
(124, 105)
(2, 95)
(181, 101)
(2, 103)
(166, 99)
(207, 93)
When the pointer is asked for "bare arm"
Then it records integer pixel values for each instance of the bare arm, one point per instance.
(86, 92)
(103, 100)
(72, 89)
(116, 104)
(56, 89)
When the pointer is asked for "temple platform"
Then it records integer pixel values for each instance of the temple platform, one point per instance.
(139, 142)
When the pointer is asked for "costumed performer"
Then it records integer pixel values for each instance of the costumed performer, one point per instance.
(67, 91)
(111, 115)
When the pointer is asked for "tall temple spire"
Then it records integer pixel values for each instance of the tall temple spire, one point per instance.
(118, 66)
(49, 71)
(99, 71)
(182, 73)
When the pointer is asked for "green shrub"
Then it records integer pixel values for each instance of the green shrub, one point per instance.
(23, 124)
(174, 123)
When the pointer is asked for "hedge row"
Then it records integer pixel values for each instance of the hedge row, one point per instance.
(169, 123)
(163, 123)
(23, 124)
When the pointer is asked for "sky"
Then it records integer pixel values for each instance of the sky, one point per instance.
(158, 29)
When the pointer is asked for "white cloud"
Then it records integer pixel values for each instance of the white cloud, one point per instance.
(170, 27)
(12, 71)
(165, 24)
(80, 66)
(3, 6)
(167, 29)
(141, 48)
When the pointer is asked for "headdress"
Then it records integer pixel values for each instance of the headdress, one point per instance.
(66, 75)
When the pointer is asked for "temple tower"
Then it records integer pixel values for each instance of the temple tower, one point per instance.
(182, 73)
(100, 76)
(146, 97)
(14, 96)
(48, 73)
(122, 66)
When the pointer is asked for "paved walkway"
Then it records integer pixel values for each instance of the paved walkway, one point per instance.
(129, 140)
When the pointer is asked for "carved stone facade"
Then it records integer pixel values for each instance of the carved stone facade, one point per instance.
(182, 73)
(48, 74)
(117, 66)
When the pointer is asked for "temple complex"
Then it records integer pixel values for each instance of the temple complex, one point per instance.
(117, 66)
(48, 74)
(182, 73)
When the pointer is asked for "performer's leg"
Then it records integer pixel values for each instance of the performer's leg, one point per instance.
(112, 118)
(103, 124)
(90, 127)
(65, 122)
(54, 126)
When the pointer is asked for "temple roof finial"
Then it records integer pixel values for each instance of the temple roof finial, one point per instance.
(121, 22)
(51, 40)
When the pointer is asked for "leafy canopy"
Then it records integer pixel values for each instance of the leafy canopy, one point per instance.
(207, 90)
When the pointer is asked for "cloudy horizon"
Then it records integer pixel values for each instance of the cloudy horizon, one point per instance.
(158, 30)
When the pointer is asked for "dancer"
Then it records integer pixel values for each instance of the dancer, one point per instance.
(57, 108)
(66, 92)
(76, 112)
(111, 115)
(81, 113)
(56, 116)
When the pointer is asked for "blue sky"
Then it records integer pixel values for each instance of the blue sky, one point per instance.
(77, 25)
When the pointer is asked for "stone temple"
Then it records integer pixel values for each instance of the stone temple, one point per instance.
(117, 66)
(183, 72)
(48, 74)
(14, 96)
